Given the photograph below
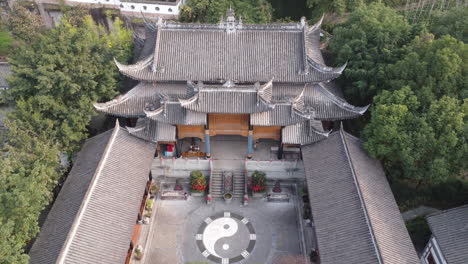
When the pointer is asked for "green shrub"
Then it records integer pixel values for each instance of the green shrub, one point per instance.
(258, 181)
(149, 204)
(197, 181)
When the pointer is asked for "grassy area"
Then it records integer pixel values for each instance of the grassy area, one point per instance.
(443, 195)
(5, 43)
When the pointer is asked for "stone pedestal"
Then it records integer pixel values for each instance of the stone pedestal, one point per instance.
(277, 188)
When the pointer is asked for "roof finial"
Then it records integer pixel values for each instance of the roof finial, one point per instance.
(303, 22)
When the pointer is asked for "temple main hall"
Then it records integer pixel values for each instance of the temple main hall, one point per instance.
(255, 81)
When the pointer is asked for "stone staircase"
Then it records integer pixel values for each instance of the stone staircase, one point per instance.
(238, 180)
(216, 188)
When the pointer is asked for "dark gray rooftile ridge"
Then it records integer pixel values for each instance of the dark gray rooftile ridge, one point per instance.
(447, 211)
(361, 199)
(341, 103)
(64, 251)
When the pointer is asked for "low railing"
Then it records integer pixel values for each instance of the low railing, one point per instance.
(209, 198)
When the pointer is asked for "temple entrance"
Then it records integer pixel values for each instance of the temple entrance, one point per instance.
(229, 124)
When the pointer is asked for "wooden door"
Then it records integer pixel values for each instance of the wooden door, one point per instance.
(228, 124)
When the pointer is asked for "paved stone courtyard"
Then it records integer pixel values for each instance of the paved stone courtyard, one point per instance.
(194, 232)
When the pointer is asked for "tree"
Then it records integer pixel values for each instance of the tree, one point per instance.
(452, 22)
(433, 68)
(24, 25)
(341, 6)
(59, 76)
(418, 144)
(29, 171)
(209, 11)
(371, 39)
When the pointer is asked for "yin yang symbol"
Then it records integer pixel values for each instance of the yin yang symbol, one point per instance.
(226, 238)
(219, 228)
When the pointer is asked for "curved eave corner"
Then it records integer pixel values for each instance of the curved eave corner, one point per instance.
(317, 25)
(133, 70)
(342, 104)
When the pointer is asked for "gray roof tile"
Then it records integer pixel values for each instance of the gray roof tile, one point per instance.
(354, 211)
(144, 96)
(153, 131)
(230, 98)
(303, 133)
(93, 217)
(450, 228)
(252, 53)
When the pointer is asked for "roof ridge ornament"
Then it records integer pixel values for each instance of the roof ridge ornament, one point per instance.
(228, 84)
(303, 22)
(230, 25)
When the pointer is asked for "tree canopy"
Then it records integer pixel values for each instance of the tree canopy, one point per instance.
(432, 68)
(28, 173)
(60, 75)
(371, 39)
(415, 143)
(210, 11)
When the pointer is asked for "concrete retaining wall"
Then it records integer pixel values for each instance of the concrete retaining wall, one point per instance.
(278, 170)
(179, 168)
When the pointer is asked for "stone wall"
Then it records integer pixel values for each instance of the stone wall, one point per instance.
(278, 170)
(178, 168)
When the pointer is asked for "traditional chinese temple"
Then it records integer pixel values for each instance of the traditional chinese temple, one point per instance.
(256, 81)
(199, 81)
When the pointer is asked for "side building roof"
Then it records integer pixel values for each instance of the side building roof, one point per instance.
(93, 217)
(450, 228)
(355, 214)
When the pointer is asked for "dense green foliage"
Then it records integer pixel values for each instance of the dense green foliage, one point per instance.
(419, 231)
(371, 39)
(29, 172)
(418, 122)
(57, 74)
(341, 6)
(414, 143)
(210, 11)
(23, 24)
(453, 22)
(444, 194)
(58, 77)
(432, 68)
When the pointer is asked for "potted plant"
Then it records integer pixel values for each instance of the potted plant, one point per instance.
(197, 183)
(154, 190)
(149, 204)
(138, 252)
(258, 184)
(227, 197)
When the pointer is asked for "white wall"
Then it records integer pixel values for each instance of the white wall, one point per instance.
(161, 9)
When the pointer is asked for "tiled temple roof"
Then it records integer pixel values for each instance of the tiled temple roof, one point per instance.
(172, 112)
(153, 131)
(93, 217)
(142, 96)
(324, 105)
(355, 214)
(230, 98)
(277, 104)
(303, 133)
(450, 229)
(233, 51)
(294, 104)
